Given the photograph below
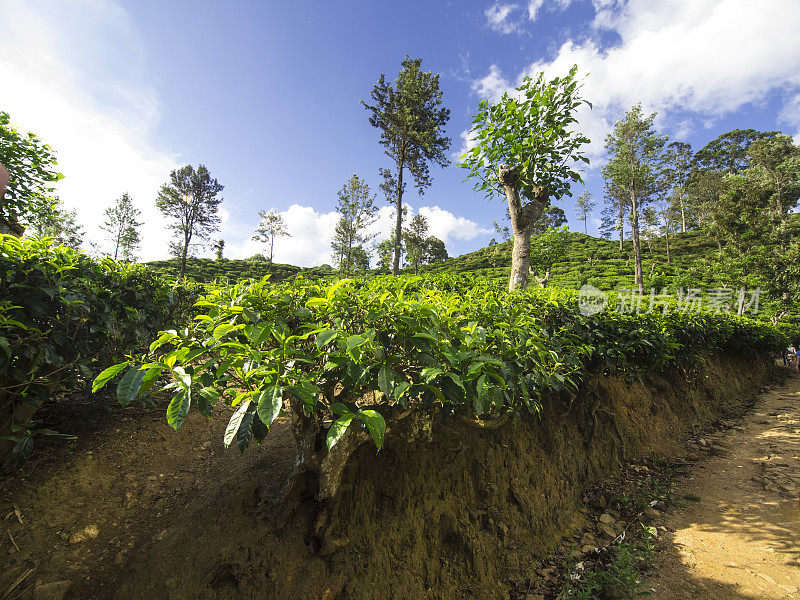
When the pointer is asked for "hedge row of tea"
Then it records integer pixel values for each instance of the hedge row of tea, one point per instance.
(64, 317)
(600, 262)
(342, 354)
(206, 270)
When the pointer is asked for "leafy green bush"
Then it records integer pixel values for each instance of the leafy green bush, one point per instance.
(340, 357)
(64, 316)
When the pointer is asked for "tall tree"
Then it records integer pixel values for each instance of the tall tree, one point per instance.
(385, 252)
(728, 152)
(271, 226)
(57, 222)
(776, 167)
(411, 119)
(416, 238)
(553, 217)
(547, 249)
(356, 208)
(30, 172)
(615, 211)
(679, 164)
(219, 247)
(635, 167)
(585, 206)
(190, 200)
(525, 149)
(122, 221)
(435, 250)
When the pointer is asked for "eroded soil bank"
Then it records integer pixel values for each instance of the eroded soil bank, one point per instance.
(446, 510)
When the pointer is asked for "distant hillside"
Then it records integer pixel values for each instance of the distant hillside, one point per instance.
(206, 270)
(599, 262)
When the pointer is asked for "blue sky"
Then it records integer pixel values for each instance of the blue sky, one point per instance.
(266, 94)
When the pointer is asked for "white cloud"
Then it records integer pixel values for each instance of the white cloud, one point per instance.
(492, 85)
(498, 18)
(98, 118)
(445, 225)
(534, 6)
(708, 57)
(312, 233)
(790, 114)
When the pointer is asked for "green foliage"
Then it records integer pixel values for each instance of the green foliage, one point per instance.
(269, 227)
(342, 354)
(617, 576)
(416, 238)
(207, 270)
(585, 205)
(31, 167)
(411, 118)
(356, 210)
(547, 249)
(121, 225)
(57, 223)
(64, 316)
(531, 130)
(634, 173)
(190, 202)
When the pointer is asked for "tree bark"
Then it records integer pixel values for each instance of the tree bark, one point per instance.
(542, 281)
(683, 216)
(271, 248)
(183, 256)
(667, 235)
(637, 253)
(522, 220)
(398, 228)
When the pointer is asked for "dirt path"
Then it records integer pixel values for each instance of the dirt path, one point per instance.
(741, 539)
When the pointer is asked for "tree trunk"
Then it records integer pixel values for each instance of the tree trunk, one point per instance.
(522, 220)
(542, 281)
(116, 248)
(398, 228)
(667, 235)
(683, 215)
(621, 231)
(183, 256)
(271, 248)
(637, 253)
(586, 226)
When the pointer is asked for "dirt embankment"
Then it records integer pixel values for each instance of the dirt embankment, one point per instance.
(446, 510)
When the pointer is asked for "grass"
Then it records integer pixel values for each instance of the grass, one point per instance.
(617, 574)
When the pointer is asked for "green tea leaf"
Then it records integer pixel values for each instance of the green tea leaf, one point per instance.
(128, 387)
(375, 423)
(270, 401)
(338, 429)
(234, 423)
(107, 375)
(178, 409)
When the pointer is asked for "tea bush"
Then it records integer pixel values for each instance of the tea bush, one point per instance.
(65, 316)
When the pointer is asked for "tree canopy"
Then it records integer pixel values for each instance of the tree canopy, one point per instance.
(190, 201)
(411, 118)
(31, 168)
(526, 148)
